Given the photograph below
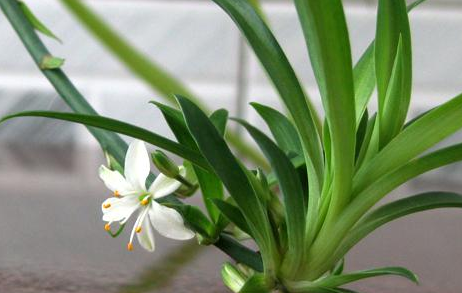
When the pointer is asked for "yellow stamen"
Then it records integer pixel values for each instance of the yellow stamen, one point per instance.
(116, 193)
(144, 202)
(107, 227)
(106, 205)
(129, 246)
(138, 229)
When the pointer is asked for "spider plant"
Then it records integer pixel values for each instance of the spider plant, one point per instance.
(319, 199)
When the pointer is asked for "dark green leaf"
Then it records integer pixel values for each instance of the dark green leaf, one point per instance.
(233, 214)
(122, 128)
(239, 252)
(284, 79)
(289, 183)
(225, 165)
(219, 118)
(282, 129)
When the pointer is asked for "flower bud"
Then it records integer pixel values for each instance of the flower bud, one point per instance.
(232, 277)
(165, 165)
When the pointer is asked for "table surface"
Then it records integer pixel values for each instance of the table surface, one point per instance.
(53, 241)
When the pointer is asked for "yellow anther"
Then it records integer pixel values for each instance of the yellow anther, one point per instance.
(107, 227)
(138, 229)
(144, 201)
(116, 193)
(106, 205)
(129, 246)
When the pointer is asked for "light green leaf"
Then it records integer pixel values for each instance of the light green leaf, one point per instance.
(122, 128)
(399, 209)
(333, 281)
(364, 80)
(282, 129)
(256, 284)
(324, 24)
(226, 166)
(51, 62)
(35, 22)
(292, 191)
(393, 61)
(424, 133)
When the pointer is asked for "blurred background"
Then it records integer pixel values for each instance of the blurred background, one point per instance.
(52, 237)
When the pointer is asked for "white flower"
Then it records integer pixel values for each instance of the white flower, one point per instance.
(131, 195)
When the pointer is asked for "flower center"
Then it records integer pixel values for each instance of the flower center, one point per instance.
(145, 198)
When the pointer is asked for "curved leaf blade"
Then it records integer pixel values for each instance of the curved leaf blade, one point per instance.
(122, 128)
(399, 209)
(291, 188)
(282, 129)
(284, 79)
(225, 165)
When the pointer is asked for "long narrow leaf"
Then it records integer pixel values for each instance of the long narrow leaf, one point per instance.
(324, 24)
(424, 133)
(282, 129)
(399, 209)
(291, 188)
(122, 128)
(284, 79)
(393, 62)
(225, 165)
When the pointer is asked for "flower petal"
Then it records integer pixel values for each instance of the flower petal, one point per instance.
(168, 222)
(115, 181)
(119, 209)
(146, 237)
(164, 185)
(137, 165)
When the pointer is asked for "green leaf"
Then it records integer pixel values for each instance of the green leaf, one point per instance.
(284, 79)
(195, 219)
(393, 63)
(333, 281)
(366, 142)
(399, 209)
(209, 183)
(219, 118)
(361, 133)
(51, 62)
(122, 128)
(364, 80)
(239, 252)
(233, 214)
(35, 22)
(424, 133)
(324, 24)
(414, 5)
(338, 269)
(256, 284)
(292, 191)
(225, 165)
(282, 129)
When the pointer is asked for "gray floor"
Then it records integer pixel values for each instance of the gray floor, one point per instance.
(53, 238)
